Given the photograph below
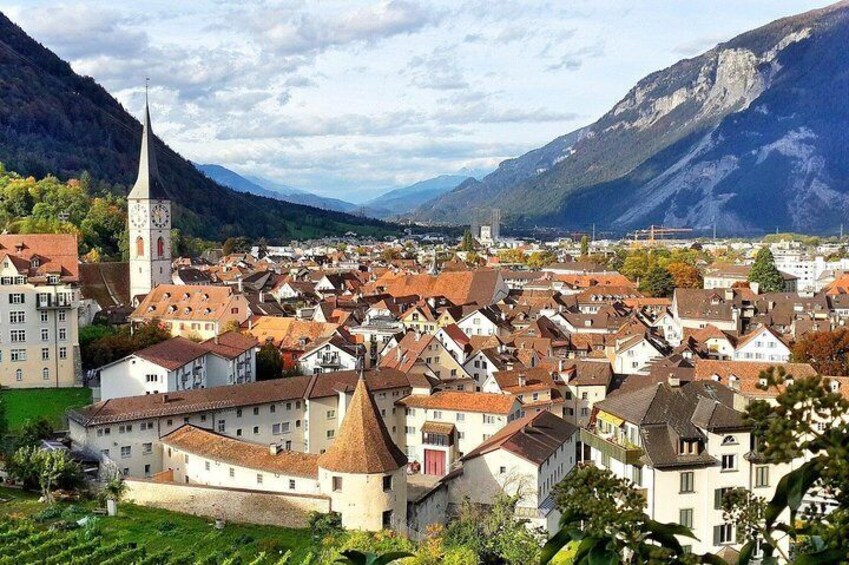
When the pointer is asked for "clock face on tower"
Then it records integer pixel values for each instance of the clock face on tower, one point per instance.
(160, 216)
(138, 216)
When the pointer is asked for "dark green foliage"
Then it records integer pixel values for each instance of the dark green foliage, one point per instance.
(788, 430)
(585, 246)
(354, 557)
(114, 344)
(468, 243)
(32, 432)
(765, 273)
(57, 122)
(493, 532)
(324, 525)
(603, 514)
(269, 363)
(658, 282)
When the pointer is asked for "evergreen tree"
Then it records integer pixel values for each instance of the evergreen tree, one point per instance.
(269, 363)
(585, 246)
(765, 273)
(468, 243)
(658, 282)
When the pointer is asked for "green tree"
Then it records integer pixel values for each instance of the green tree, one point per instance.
(788, 429)
(33, 431)
(269, 363)
(765, 273)
(493, 532)
(585, 246)
(658, 282)
(468, 242)
(45, 468)
(603, 515)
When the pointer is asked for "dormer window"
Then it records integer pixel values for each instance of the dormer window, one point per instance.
(166, 295)
(762, 382)
(716, 378)
(789, 381)
(172, 309)
(151, 308)
(35, 262)
(186, 296)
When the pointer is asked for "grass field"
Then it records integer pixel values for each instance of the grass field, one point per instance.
(50, 403)
(181, 535)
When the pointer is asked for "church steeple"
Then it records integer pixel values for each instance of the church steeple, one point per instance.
(148, 184)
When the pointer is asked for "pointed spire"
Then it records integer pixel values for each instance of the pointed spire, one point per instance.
(148, 184)
(363, 444)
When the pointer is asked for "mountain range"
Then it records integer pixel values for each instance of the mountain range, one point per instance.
(394, 203)
(750, 136)
(54, 121)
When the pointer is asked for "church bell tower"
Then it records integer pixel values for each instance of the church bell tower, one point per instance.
(149, 218)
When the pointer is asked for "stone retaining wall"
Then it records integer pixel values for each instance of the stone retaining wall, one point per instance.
(243, 506)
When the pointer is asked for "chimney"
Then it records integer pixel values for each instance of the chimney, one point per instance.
(239, 284)
(398, 353)
(166, 398)
(729, 294)
(560, 363)
(523, 380)
(673, 381)
(273, 448)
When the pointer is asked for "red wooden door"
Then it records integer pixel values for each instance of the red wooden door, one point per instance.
(434, 462)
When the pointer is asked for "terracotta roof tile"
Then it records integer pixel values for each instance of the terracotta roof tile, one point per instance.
(53, 253)
(363, 444)
(483, 402)
(217, 447)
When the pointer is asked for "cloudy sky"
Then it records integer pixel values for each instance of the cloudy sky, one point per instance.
(347, 99)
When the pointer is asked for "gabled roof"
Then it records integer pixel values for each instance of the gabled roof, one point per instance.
(458, 401)
(220, 448)
(39, 255)
(172, 353)
(535, 438)
(363, 444)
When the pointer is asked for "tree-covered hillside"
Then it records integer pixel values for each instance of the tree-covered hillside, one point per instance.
(55, 122)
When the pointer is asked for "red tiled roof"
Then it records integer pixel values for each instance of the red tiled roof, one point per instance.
(462, 402)
(53, 253)
(217, 447)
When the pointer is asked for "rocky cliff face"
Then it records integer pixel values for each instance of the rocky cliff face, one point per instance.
(751, 135)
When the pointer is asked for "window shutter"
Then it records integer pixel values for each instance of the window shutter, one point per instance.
(717, 532)
(717, 498)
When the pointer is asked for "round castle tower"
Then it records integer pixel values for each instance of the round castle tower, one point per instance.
(364, 472)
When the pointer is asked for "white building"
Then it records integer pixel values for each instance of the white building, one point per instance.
(39, 311)
(525, 458)
(683, 438)
(180, 364)
(762, 344)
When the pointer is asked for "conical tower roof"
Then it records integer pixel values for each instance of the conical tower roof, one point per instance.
(148, 184)
(363, 444)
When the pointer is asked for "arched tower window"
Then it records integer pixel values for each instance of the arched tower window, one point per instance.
(139, 247)
(160, 247)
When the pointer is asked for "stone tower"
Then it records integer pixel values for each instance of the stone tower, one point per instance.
(364, 472)
(149, 217)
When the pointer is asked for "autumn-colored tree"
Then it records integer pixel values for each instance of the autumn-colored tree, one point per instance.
(512, 256)
(827, 352)
(541, 259)
(685, 275)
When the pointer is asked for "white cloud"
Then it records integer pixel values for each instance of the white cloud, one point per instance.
(346, 98)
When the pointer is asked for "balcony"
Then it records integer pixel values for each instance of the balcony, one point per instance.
(329, 361)
(619, 450)
(53, 301)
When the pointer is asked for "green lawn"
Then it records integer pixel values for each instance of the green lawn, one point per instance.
(182, 535)
(51, 403)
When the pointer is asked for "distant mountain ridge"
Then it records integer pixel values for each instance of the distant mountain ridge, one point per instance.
(270, 189)
(57, 122)
(401, 201)
(749, 136)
